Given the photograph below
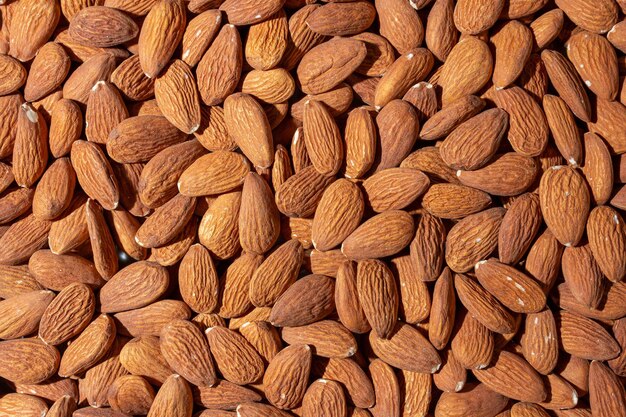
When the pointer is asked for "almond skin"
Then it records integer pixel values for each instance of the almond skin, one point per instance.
(308, 300)
(39, 20)
(47, 72)
(276, 274)
(181, 340)
(338, 213)
(177, 96)
(342, 19)
(466, 70)
(399, 24)
(160, 34)
(512, 368)
(219, 69)
(404, 342)
(343, 56)
(243, 115)
(606, 222)
(451, 201)
(207, 175)
(141, 283)
(235, 358)
(378, 296)
(472, 239)
(259, 225)
(382, 235)
(322, 138)
(286, 376)
(472, 144)
(327, 338)
(564, 200)
(101, 27)
(68, 314)
(530, 297)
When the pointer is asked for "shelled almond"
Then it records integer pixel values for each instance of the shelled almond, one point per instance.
(312, 208)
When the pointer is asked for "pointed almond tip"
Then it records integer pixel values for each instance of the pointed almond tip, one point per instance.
(479, 263)
(97, 85)
(351, 351)
(208, 329)
(459, 386)
(194, 129)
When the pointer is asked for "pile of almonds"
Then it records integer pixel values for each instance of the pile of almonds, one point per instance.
(331, 208)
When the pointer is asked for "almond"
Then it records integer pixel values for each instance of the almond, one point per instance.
(398, 127)
(519, 227)
(528, 129)
(173, 398)
(427, 247)
(340, 56)
(407, 70)
(247, 124)
(605, 222)
(585, 338)
(539, 341)
(514, 289)
(327, 338)
(219, 69)
(39, 18)
(102, 27)
(306, 301)
(130, 394)
(474, 142)
(214, 173)
(467, 69)
(378, 296)
(360, 142)
(596, 62)
(339, 212)
(259, 220)
(452, 201)
(182, 341)
(521, 173)
(267, 42)
(441, 33)
(563, 128)
(605, 394)
(383, 235)
(599, 19)
(400, 24)
(21, 314)
(286, 376)
(68, 314)
(400, 351)
(160, 34)
(276, 274)
(564, 202)
(512, 376)
(475, 16)
(567, 83)
(513, 36)
(483, 306)
(235, 358)
(347, 301)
